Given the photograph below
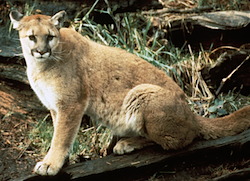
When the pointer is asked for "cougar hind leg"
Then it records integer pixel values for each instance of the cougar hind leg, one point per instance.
(169, 121)
(159, 115)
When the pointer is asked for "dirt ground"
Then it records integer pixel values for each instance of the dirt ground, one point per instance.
(16, 157)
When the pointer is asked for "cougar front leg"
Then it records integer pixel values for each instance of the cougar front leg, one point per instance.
(66, 126)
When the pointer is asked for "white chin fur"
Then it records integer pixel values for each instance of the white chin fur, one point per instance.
(41, 59)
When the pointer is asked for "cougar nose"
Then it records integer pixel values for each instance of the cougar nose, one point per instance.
(42, 52)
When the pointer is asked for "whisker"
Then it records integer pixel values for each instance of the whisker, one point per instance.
(17, 39)
(19, 54)
(56, 58)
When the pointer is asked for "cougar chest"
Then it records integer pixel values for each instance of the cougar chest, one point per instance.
(45, 90)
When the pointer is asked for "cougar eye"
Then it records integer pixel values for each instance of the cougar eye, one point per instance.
(50, 37)
(32, 37)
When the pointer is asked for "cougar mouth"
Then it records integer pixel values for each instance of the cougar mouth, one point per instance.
(40, 54)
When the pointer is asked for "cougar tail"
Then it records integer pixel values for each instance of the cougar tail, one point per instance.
(225, 126)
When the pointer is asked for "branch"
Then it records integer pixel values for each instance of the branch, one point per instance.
(184, 11)
(223, 81)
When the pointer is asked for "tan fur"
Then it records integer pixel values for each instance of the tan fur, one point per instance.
(119, 89)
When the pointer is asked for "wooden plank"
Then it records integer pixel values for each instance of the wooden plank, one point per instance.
(149, 160)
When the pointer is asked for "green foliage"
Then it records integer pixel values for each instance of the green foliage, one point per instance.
(41, 135)
(227, 103)
(90, 140)
(217, 109)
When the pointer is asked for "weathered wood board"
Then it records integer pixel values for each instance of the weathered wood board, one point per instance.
(151, 159)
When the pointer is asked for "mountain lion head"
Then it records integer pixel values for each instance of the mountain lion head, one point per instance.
(39, 34)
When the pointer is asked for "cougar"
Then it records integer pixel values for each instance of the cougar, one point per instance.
(73, 76)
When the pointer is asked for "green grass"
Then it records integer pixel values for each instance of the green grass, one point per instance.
(40, 136)
(135, 33)
(91, 141)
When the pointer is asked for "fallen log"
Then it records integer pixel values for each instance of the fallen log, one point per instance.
(151, 159)
(206, 30)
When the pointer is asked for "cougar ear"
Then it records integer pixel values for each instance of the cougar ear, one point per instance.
(59, 18)
(15, 18)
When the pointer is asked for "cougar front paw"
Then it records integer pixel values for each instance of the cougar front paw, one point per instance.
(43, 168)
